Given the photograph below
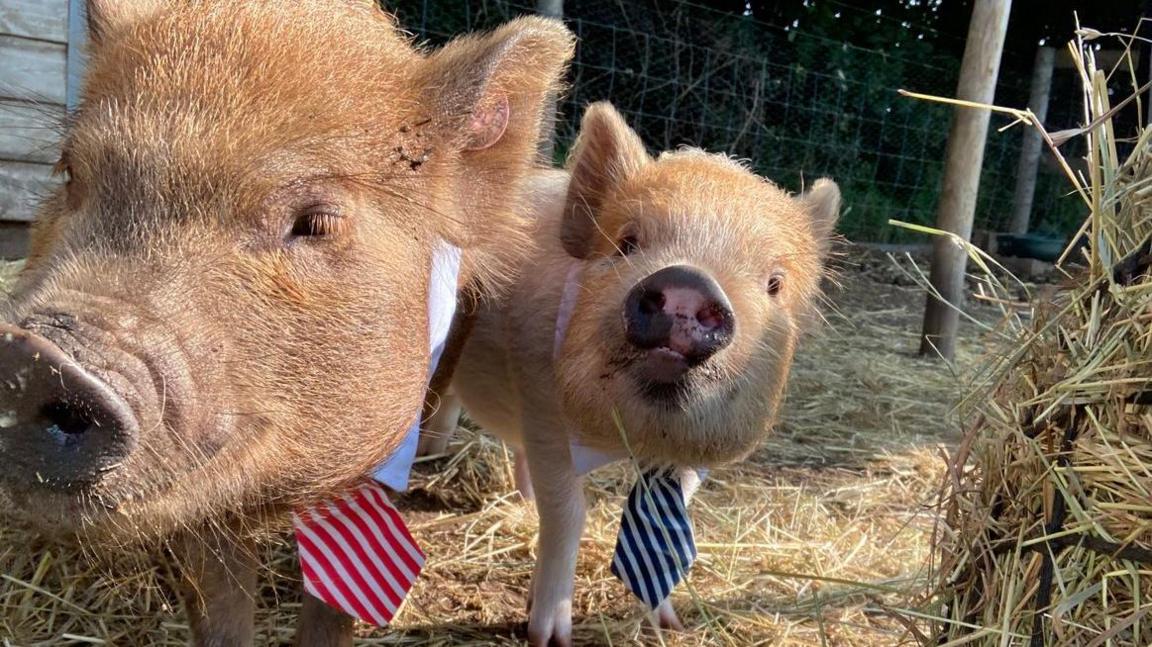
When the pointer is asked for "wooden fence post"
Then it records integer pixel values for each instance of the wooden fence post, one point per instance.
(964, 159)
(1031, 148)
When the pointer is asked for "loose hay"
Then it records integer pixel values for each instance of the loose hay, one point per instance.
(8, 272)
(1047, 533)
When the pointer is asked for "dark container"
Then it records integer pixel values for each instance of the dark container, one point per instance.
(1037, 246)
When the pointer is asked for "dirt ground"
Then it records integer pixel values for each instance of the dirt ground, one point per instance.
(821, 538)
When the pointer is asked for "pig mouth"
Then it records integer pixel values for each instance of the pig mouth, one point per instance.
(669, 380)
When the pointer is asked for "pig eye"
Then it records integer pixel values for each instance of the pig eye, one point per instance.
(775, 284)
(317, 223)
(627, 244)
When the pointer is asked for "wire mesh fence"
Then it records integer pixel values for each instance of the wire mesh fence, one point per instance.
(798, 106)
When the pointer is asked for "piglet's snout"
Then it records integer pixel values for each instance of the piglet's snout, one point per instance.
(679, 309)
(60, 426)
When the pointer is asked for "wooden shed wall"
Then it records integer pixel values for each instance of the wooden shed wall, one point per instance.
(33, 94)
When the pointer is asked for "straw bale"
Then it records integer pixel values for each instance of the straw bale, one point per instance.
(1046, 537)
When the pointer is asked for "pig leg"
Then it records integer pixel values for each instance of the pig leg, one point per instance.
(319, 625)
(521, 475)
(441, 406)
(665, 616)
(560, 505)
(219, 588)
(442, 415)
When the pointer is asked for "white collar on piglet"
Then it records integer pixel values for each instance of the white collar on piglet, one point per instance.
(443, 282)
(567, 305)
(585, 459)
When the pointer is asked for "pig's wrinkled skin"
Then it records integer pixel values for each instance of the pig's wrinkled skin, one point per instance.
(744, 259)
(224, 310)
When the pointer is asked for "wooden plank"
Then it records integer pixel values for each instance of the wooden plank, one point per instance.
(42, 19)
(77, 51)
(22, 186)
(32, 69)
(30, 133)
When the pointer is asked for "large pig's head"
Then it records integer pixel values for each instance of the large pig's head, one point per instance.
(698, 279)
(225, 303)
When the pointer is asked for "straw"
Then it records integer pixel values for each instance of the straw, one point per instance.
(1046, 536)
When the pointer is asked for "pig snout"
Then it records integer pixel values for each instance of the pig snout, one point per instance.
(681, 316)
(60, 426)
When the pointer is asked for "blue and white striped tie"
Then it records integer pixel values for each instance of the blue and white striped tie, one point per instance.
(655, 547)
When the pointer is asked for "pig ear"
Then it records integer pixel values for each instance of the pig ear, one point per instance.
(822, 201)
(489, 95)
(105, 16)
(606, 152)
(493, 89)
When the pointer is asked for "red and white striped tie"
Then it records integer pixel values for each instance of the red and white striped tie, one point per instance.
(357, 555)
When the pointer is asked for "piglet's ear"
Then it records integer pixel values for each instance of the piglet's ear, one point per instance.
(488, 96)
(106, 16)
(822, 202)
(606, 152)
(492, 89)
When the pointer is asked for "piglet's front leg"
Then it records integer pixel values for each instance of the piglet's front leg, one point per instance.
(441, 417)
(560, 505)
(219, 587)
(320, 625)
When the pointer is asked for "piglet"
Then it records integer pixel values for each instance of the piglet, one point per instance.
(656, 319)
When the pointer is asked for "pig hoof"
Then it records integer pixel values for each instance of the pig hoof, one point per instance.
(666, 617)
(551, 628)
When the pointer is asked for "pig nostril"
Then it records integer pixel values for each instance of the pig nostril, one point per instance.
(711, 317)
(62, 428)
(652, 302)
(67, 417)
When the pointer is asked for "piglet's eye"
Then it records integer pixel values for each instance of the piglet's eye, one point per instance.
(627, 244)
(318, 223)
(775, 284)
